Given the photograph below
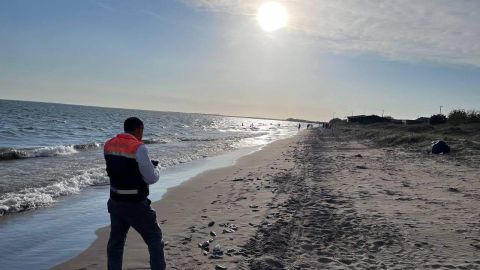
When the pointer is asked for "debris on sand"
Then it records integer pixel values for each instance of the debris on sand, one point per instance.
(229, 228)
(440, 147)
(204, 245)
(217, 252)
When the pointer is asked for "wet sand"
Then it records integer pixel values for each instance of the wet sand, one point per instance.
(316, 201)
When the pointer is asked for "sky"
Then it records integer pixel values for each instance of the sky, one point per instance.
(402, 58)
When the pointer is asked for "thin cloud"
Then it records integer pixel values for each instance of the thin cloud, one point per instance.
(105, 6)
(441, 31)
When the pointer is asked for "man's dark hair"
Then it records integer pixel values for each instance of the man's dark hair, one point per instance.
(132, 123)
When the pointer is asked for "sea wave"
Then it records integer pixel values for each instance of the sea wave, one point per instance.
(198, 139)
(31, 198)
(155, 141)
(48, 151)
(87, 146)
(235, 137)
(37, 197)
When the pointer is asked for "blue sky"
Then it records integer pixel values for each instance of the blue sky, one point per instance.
(404, 57)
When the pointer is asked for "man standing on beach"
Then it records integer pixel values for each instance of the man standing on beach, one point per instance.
(131, 171)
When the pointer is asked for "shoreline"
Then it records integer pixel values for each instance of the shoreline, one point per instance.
(180, 206)
(75, 218)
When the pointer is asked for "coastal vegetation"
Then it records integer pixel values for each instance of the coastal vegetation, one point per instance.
(462, 117)
(461, 130)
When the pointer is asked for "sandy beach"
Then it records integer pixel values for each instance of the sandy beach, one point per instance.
(316, 201)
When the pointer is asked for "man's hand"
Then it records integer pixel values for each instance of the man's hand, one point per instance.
(154, 162)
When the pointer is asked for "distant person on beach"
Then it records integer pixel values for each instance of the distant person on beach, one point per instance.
(131, 171)
(299, 126)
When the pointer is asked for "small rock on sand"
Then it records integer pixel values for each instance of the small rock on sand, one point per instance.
(477, 246)
(452, 189)
(227, 230)
(217, 252)
(204, 245)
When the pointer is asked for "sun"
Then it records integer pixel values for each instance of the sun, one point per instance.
(272, 16)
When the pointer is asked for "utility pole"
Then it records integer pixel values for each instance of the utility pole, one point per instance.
(441, 109)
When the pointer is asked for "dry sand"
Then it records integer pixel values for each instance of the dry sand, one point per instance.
(317, 202)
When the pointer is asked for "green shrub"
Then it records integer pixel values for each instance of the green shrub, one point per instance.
(474, 116)
(458, 117)
(336, 121)
(438, 119)
(462, 117)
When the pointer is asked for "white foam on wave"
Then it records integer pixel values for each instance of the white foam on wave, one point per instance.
(221, 145)
(201, 151)
(47, 151)
(31, 198)
(51, 151)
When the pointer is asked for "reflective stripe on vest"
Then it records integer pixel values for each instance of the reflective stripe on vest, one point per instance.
(124, 192)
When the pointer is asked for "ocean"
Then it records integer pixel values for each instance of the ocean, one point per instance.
(53, 184)
(52, 150)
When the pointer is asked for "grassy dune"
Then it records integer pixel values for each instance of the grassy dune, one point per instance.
(464, 139)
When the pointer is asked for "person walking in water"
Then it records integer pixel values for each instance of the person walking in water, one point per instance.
(131, 171)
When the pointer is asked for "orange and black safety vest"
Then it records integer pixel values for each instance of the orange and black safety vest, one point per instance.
(126, 181)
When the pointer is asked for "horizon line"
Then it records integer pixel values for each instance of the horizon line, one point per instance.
(152, 110)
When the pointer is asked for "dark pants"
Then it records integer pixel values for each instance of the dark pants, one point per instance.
(143, 219)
